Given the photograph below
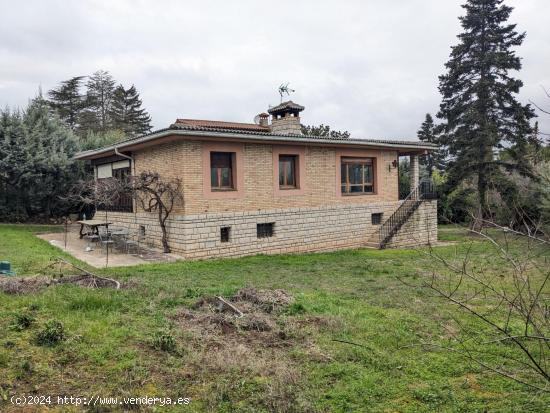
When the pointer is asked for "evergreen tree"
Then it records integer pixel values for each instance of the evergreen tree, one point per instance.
(96, 140)
(325, 131)
(99, 96)
(127, 114)
(68, 101)
(479, 110)
(36, 165)
(435, 160)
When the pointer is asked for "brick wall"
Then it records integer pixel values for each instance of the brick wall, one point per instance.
(183, 159)
(317, 219)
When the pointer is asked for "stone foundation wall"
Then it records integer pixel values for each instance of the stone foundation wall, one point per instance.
(420, 229)
(295, 229)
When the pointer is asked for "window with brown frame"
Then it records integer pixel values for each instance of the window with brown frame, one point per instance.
(287, 171)
(221, 171)
(357, 176)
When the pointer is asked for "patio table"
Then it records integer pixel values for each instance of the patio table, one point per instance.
(93, 224)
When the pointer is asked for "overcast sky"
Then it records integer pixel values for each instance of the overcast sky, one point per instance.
(367, 66)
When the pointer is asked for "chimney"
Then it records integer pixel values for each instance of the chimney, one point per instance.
(286, 118)
(264, 119)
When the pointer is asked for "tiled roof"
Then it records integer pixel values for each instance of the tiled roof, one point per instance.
(286, 105)
(215, 124)
(224, 130)
(297, 138)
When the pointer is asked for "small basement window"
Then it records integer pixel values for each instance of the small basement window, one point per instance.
(224, 234)
(376, 219)
(264, 230)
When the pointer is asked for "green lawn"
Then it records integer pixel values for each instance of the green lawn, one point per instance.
(353, 296)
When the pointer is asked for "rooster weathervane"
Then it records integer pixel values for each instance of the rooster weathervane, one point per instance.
(284, 89)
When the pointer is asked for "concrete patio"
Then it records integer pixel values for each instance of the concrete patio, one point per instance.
(97, 257)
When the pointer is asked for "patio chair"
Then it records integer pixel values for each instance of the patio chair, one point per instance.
(119, 235)
(91, 238)
(134, 241)
(105, 239)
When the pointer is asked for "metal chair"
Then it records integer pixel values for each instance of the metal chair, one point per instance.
(91, 237)
(105, 239)
(134, 241)
(119, 236)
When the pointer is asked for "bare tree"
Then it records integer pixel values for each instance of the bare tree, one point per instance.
(97, 193)
(156, 194)
(503, 303)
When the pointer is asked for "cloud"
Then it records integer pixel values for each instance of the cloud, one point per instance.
(369, 67)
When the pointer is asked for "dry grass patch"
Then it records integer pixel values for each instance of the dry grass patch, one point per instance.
(29, 285)
(248, 338)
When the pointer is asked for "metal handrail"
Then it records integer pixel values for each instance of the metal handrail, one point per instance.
(425, 190)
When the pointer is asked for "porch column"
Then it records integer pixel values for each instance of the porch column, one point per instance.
(415, 172)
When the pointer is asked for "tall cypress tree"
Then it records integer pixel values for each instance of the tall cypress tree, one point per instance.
(126, 112)
(480, 112)
(68, 101)
(435, 160)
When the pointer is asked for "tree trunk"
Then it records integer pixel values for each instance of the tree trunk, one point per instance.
(482, 212)
(162, 221)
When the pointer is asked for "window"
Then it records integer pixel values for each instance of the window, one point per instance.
(221, 171)
(104, 171)
(287, 171)
(119, 170)
(376, 219)
(224, 234)
(357, 176)
(264, 230)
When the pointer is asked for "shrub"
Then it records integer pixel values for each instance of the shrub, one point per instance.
(164, 341)
(25, 369)
(22, 321)
(53, 333)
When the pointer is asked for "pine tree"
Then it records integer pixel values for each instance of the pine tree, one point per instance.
(325, 131)
(127, 114)
(101, 87)
(36, 165)
(479, 110)
(434, 160)
(68, 101)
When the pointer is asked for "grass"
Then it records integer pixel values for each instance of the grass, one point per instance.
(122, 342)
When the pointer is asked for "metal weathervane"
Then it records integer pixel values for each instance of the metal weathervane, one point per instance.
(284, 89)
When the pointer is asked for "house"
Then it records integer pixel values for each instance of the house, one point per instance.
(266, 188)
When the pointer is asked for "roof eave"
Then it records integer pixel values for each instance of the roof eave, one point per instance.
(110, 150)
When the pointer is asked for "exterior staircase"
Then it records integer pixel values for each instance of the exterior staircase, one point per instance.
(424, 191)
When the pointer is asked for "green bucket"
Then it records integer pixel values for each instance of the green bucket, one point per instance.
(5, 268)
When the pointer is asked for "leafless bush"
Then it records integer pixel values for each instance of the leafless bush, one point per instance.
(156, 194)
(506, 300)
